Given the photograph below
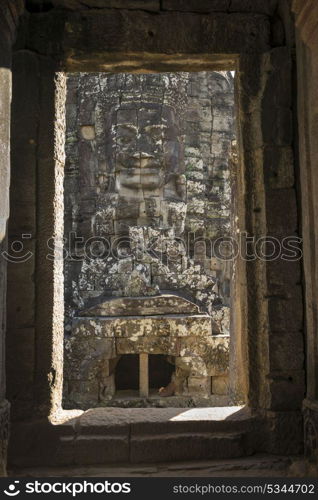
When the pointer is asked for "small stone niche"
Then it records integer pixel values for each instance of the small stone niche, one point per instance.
(160, 372)
(127, 374)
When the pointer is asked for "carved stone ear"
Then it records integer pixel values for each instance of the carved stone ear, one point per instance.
(175, 187)
(109, 185)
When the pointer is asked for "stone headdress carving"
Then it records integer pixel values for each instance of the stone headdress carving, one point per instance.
(130, 89)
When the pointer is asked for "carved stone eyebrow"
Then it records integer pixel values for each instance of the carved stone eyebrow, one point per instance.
(129, 126)
(161, 126)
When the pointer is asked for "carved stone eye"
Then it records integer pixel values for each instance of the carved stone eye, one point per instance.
(156, 133)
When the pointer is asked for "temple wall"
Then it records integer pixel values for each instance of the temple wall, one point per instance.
(193, 205)
(268, 359)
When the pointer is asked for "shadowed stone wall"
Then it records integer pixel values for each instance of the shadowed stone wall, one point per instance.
(307, 58)
(9, 16)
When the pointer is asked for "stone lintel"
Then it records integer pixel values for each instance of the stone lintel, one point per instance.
(166, 33)
(143, 306)
(181, 325)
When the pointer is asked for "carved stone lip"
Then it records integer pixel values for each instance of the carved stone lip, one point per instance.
(156, 304)
(153, 169)
(143, 163)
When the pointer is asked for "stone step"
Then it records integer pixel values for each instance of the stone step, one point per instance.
(98, 449)
(143, 421)
(172, 447)
(131, 399)
(101, 436)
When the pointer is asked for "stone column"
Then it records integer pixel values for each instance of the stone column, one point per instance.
(273, 333)
(49, 281)
(10, 12)
(143, 375)
(35, 306)
(20, 342)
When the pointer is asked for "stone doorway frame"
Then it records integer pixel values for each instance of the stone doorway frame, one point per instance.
(238, 376)
(264, 97)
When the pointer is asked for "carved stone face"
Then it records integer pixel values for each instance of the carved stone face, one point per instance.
(146, 149)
